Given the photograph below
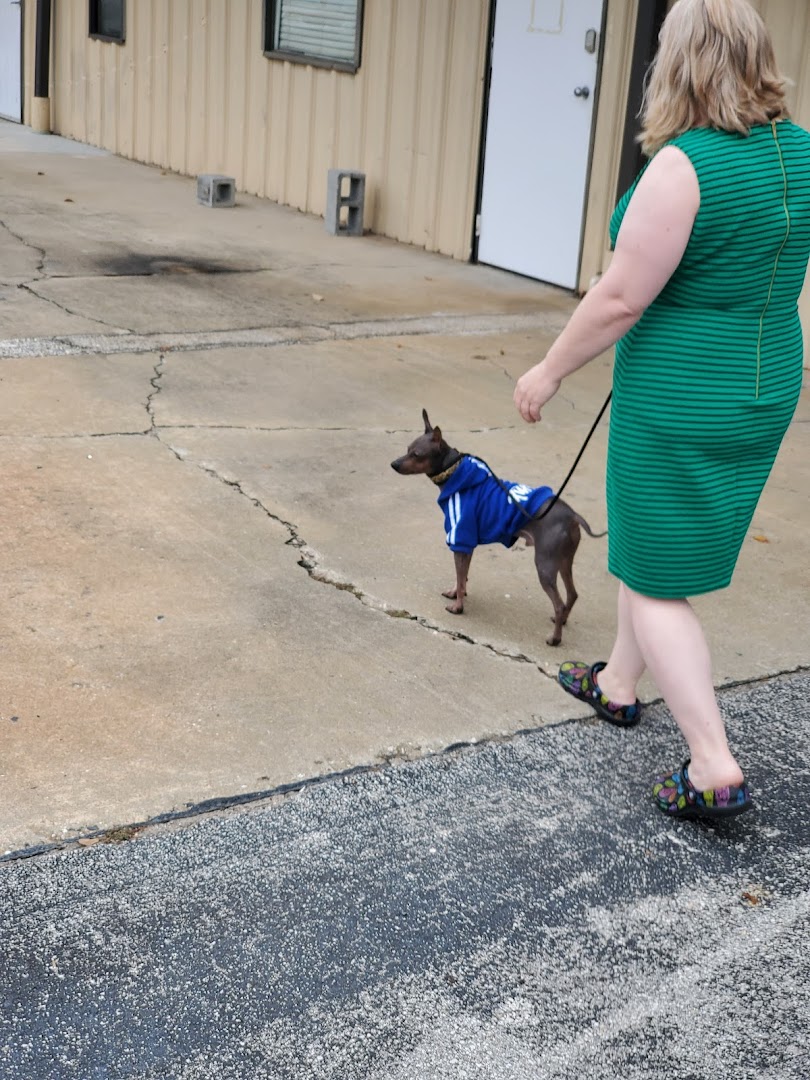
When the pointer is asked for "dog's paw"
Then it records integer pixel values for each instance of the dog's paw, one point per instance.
(553, 640)
(450, 594)
(455, 609)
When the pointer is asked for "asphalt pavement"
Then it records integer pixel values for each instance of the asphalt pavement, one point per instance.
(503, 911)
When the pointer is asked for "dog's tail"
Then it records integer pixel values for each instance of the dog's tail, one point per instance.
(581, 520)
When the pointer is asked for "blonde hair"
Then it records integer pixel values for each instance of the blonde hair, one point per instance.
(715, 67)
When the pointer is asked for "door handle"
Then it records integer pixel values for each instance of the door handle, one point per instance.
(582, 92)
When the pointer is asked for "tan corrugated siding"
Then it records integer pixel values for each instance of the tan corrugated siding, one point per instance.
(191, 90)
(459, 160)
(431, 123)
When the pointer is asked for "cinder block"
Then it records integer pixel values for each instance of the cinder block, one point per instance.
(213, 190)
(345, 189)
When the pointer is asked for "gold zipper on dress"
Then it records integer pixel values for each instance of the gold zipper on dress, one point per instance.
(778, 254)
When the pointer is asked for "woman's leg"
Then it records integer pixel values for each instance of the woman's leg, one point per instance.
(619, 678)
(671, 641)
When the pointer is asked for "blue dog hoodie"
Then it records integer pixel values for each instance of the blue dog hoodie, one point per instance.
(477, 509)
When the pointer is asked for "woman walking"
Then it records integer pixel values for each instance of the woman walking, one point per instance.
(711, 248)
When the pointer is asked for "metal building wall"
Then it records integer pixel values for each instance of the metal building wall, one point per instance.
(190, 90)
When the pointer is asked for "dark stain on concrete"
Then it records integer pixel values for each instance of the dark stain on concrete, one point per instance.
(142, 264)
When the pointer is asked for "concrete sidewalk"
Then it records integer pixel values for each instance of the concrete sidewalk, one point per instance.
(214, 583)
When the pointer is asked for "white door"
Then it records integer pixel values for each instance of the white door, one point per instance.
(538, 138)
(11, 59)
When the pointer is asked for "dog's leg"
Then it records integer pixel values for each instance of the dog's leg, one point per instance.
(567, 566)
(462, 561)
(548, 580)
(571, 594)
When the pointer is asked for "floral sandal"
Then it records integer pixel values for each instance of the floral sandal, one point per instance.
(676, 795)
(580, 680)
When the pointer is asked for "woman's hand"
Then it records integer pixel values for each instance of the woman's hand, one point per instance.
(533, 390)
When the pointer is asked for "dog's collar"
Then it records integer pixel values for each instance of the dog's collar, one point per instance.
(442, 477)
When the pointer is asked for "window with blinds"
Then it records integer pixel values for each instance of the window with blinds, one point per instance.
(107, 19)
(324, 32)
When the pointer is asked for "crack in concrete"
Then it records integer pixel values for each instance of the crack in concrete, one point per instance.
(155, 383)
(327, 577)
(309, 561)
(349, 427)
(493, 362)
(155, 428)
(42, 276)
(80, 435)
(26, 285)
(40, 267)
(252, 427)
(497, 427)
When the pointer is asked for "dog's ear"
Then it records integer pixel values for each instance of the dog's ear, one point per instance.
(437, 435)
(428, 425)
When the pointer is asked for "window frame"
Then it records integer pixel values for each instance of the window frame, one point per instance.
(93, 20)
(269, 10)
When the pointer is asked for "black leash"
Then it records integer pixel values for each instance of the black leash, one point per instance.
(551, 502)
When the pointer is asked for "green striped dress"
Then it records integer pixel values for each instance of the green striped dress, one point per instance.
(706, 383)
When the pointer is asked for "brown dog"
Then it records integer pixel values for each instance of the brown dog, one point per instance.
(479, 508)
